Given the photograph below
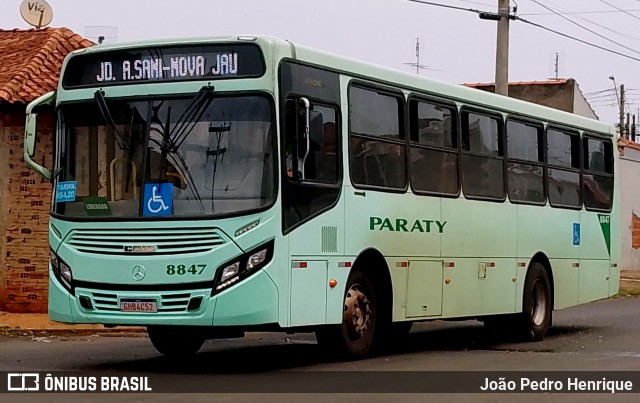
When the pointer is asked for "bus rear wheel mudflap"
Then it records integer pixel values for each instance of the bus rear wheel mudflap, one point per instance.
(361, 328)
(176, 341)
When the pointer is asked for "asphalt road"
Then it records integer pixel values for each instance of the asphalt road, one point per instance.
(601, 336)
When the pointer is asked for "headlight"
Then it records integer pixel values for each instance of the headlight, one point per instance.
(65, 273)
(53, 258)
(256, 259)
(243, 267)
(229, 271)
(61, 270)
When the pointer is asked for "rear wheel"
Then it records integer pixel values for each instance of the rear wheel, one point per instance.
(534, 321)
(175, 341)
(356, 336)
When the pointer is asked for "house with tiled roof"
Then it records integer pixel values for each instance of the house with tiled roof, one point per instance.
(563, 94)
(30, 63)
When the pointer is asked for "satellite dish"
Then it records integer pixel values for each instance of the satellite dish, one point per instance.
(36, 12)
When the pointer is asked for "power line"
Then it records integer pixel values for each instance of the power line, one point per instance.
(619, 9)
(475, 2)
(577, 39)
(566, 12)
(535, 25)
(598, 92)
(585, 28)
(601, 97)
(430, 3)
(584, 12)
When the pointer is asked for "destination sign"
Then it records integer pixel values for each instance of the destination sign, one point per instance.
(163, 64)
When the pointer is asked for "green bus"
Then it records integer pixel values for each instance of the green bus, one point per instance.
(208, 188)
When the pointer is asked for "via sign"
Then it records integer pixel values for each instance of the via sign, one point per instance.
(37, 13)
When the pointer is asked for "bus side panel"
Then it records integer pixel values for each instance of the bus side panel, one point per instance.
(479, 286)
(479, 239)
(550, 231)
(396, 224)
(595, 250)
(402, 227)
(313, 246)
(566, 280)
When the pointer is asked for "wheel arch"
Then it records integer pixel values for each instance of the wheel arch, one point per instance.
(372, 262)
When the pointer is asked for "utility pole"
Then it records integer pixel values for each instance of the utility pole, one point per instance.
(626, 128)
(622, 110)
(633, 128)
(502, 49)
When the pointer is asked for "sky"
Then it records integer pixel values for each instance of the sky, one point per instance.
(456, 44)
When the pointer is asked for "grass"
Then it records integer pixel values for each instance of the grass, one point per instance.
(628, 289)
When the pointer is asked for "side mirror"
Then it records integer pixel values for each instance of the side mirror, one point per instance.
(31, 130)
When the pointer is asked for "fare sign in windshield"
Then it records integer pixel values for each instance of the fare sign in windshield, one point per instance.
(162, 64)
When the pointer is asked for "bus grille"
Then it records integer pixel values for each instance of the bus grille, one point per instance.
(108, 302)
(151, 241)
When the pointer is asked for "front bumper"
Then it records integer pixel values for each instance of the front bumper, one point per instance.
(253, 301)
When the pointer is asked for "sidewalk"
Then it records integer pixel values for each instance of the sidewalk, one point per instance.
(35, 323)
(28, 324)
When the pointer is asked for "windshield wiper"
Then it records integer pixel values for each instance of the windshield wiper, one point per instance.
(191, 116)
(173, 139)
(104, 110)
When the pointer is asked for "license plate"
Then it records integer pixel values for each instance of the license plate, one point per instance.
(138, 305)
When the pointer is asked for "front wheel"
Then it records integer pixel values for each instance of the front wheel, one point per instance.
(175, 341)
(355, 337)
(536, 304)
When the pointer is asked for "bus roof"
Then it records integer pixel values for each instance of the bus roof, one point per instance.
(385, 76)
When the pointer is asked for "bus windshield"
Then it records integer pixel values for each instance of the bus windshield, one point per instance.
(203, 155)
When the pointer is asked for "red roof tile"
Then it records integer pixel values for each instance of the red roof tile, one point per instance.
(30, 61)
(624, 143)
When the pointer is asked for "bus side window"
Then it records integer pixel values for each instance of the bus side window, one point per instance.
(321, 161)
(292, 162)
(482, 156)
(597, 178)
(323, 167)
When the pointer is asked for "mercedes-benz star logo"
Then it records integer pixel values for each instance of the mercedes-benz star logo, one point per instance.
(138, 272)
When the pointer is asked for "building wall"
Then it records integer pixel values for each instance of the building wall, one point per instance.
(565, 96)
(24, 212)
(629, 171)
(559, 96)
(580, 105)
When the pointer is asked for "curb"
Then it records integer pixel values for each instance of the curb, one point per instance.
(6, 331)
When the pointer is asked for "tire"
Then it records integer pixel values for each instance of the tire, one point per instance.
(359, 332)
(533, 323)
(175, 341)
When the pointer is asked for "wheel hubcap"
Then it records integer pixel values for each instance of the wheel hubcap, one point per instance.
(357, 312)
(539, 305)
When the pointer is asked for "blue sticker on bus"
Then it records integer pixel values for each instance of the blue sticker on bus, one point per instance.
(158, 199)
(576, 234)
(66, 191)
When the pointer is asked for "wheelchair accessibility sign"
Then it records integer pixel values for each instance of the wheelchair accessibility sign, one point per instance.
(158, 199)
